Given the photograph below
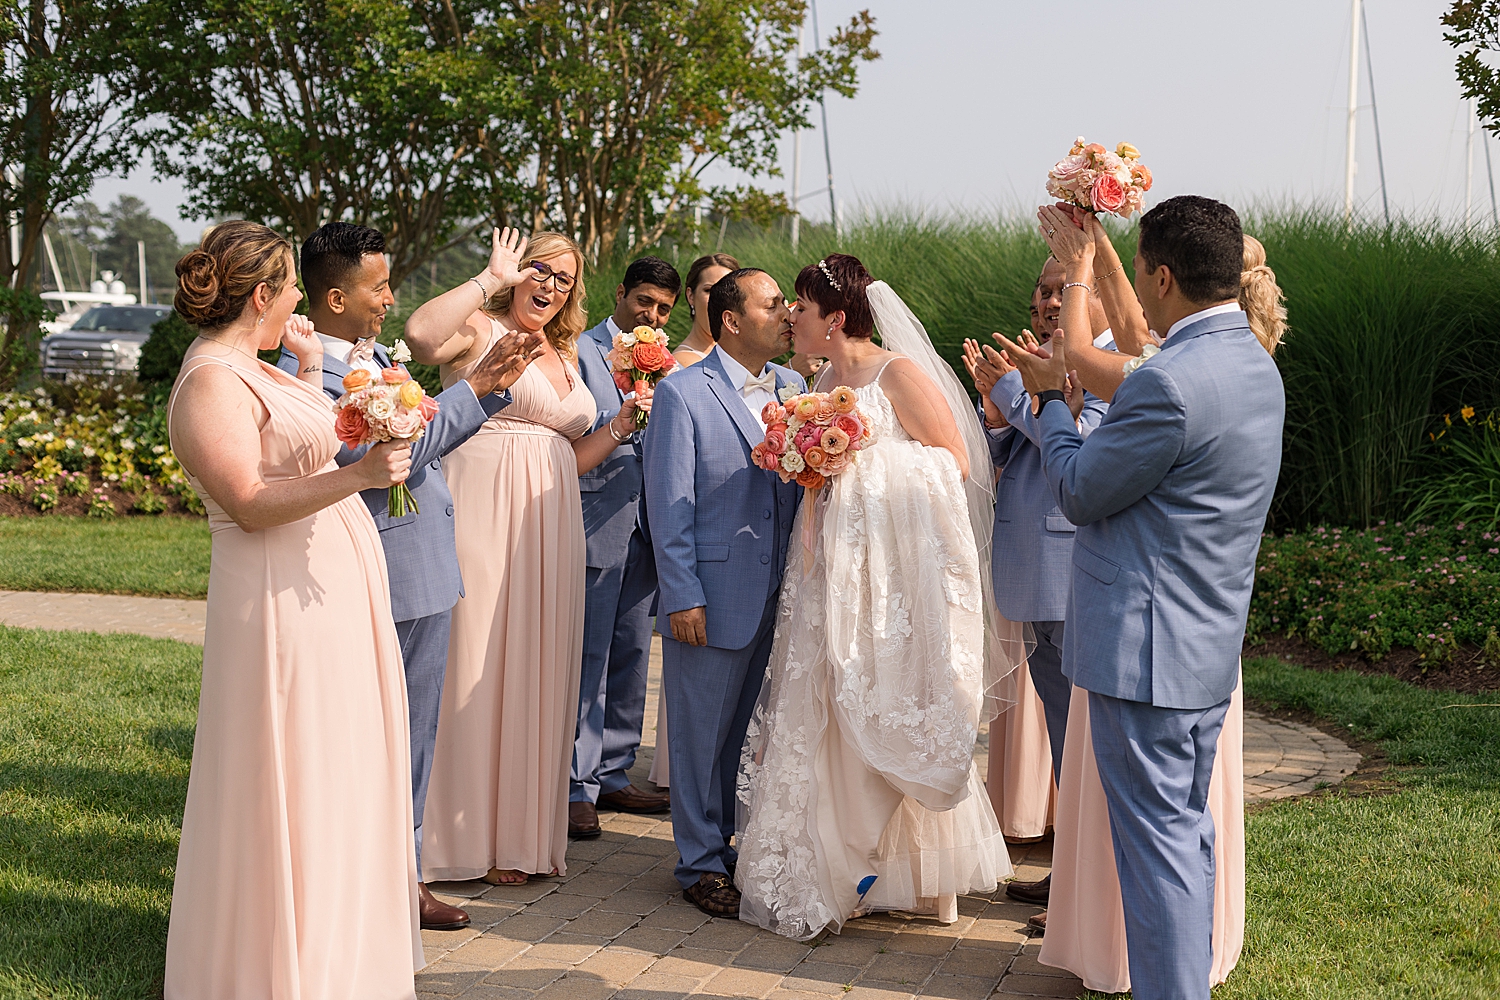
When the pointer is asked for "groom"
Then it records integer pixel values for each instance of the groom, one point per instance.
(1170, 495)
(721, 527)
(348, 296)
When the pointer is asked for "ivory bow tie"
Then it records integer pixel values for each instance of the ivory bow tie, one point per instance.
(766, 381)
(364, 350)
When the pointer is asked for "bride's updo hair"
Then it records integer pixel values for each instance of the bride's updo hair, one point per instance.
(836, 282)
(1261, 297)
(215, 281)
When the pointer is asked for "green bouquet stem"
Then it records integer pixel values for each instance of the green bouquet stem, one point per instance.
(641, 416)
(400, 502)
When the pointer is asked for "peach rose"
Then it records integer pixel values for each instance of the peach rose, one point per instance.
(622, 381)
(1107, 194)
(406, 424)
(825, 412)
(814, 457)
(1141, 175)
(810, 478)
(806, 407)
(850, 425)
(350, 425)
(428, 407)
(844, 400)
(394, 376)
(649, 357)
(1094, 149)
(770, 413)
(356, 379)
(410, 393)
(835, 441)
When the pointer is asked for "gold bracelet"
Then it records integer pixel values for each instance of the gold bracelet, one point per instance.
(1121, 267)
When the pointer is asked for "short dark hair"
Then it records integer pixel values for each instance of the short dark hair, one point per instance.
(814, 283)
(1201, 241)
(334, 250)
(652, 271)
(727, 295)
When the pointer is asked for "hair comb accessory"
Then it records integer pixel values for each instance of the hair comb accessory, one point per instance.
(823, 266)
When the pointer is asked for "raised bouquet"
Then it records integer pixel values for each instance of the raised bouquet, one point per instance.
(640, 359)
(813, 436)
(1092, 177)
(393, 407)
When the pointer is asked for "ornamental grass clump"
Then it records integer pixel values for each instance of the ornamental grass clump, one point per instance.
(1423, 587)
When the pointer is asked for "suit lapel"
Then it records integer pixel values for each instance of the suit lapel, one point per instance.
(599, 337)
(733, 403)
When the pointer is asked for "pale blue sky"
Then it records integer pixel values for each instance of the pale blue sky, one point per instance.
(973, 100)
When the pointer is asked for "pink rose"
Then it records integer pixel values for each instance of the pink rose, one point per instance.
(1107, 194)
(1068, 167)
(850, 425)
(428, 407)
(622, 381)
(351, 427)
(406, 423)
(650, 357)
(770, 413)
(808, 436)
(776, 441)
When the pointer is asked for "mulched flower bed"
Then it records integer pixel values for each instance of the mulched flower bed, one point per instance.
(1466, 672)
(12, 506)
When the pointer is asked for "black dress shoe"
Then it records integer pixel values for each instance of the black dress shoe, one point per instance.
(1035, 893)
(631, 799)
(583, 821)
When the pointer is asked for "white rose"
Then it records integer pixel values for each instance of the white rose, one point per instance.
(628, 339)
(401, 354)
(792, 461)
(380, 408)
(786, 392)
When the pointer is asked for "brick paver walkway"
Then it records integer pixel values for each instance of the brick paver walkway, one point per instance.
(617, 928)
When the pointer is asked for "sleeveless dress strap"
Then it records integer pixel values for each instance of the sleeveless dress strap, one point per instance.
(883, 367)
(188, 368)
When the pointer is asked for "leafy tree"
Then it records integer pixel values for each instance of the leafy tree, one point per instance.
(1474, 29)
(625, 104)
(295, 113)
(66, 116)
(111, 236)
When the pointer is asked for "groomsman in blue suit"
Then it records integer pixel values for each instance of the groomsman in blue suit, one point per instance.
(348, 294)
(621, 576)
(721, 527)
(1170, 495)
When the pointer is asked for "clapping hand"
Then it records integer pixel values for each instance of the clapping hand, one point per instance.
(507, 251)
(985, 366)
(1039, 371)
(299, 337)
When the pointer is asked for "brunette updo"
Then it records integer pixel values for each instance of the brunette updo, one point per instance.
(1261, 298)
(215, 281)
(842, 286)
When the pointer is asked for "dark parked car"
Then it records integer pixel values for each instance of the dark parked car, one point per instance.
(106, 340)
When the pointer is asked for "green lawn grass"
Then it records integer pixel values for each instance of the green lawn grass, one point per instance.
(162, 556)
(96, 735)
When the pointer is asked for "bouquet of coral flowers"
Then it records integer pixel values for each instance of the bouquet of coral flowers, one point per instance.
(812, 437)
(640, 359)
(394, 407)
(1092, 177)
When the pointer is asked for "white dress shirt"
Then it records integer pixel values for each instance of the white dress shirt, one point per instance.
(1219, 310)
(756, 397)
(1106, 341)
(612, 327)
(333, 347)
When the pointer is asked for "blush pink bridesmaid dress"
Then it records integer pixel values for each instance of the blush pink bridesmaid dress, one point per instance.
(499, 791)
(1019, 779)
(296, 877)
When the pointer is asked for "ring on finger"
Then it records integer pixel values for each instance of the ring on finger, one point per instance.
(1052, 232)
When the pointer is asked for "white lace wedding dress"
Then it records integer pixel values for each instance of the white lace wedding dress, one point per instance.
(859, 759)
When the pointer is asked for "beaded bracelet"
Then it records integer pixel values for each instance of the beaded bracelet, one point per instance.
(482, 290)
(1077, 284)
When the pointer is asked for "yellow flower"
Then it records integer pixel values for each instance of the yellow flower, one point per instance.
(645, 334)
(1467, 413)
(1126, 151)
(410, 393)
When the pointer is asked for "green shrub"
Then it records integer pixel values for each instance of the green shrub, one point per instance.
(161, 355)
(1464, 481)
(100, 505)
(148, 503)
(44, 497)
(75, 484)
(1416, 586)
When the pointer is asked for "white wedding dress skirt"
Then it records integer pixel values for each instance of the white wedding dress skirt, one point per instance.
(859, 759)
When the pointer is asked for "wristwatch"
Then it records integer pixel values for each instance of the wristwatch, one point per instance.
(1048, 395)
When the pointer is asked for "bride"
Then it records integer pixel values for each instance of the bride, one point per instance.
(858, 789)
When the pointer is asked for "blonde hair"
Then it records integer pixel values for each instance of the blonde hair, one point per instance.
(215, 281)
(1261, 298)
(562, 330)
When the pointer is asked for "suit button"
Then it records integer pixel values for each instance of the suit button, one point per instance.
(768, 513)
(450, 510)
(436, 464)
(764, 560)
(635, 496)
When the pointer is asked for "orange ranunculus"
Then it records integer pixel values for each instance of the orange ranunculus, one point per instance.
(350, 425)
(825, 412)
(814, 457)
(771, 412)
(410, 393)
(843, 398)
(394, 376)
(805, 407)
(835, 441)
(356, 379)
(649, 357)
(810, 478)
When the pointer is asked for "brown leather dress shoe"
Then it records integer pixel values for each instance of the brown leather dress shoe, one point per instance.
(583, 821)
(1035, 893)
(631, 799)
(436, 914)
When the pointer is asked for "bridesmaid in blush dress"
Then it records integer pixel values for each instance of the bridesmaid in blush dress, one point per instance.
(497, 807)
(295, 876)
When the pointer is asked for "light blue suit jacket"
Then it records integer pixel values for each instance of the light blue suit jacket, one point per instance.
(420, 554)
(720, 525)
(1170, 495)
(1033, 546)
(614, 498)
